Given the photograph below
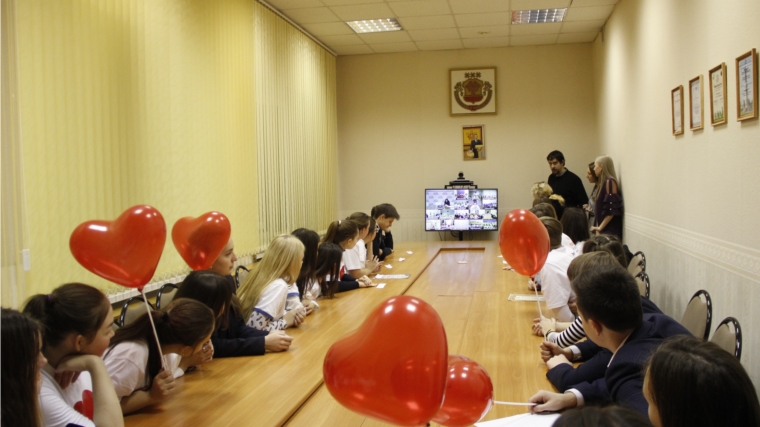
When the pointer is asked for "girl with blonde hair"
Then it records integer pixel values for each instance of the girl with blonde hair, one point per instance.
(608, 212)
(542, 189)
(264, 293)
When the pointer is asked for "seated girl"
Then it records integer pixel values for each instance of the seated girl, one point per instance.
(356, 261)
(225, 263)
(329, 258)
(231, 337)
(575, 226)
(695, 383)
(554, 282)
(306, 278)
(264, 293)
(345, 234)
(22, 361)
(76, 324)
(134, 362)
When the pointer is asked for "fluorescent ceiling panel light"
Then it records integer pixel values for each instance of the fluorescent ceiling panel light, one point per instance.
(539, 16)
(375, 25)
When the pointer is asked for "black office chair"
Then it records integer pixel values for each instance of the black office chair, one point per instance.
(728, 340)
(642, 279)
(638, 263)
(697, 317)
(132, 309)
(240, 274)
(165, 295)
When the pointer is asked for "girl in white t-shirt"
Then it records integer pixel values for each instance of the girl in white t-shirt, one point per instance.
(356, 261)
(554, 282)
(264, 293)
(76, 323)
(345, 234)
(134, 362)
(329, 259)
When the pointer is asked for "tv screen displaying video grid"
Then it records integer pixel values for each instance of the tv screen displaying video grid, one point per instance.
(461, 210)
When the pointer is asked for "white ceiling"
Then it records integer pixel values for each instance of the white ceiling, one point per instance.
(443, 24)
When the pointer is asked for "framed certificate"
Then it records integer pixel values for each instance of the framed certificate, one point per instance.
(746, 86)
(676, 107)
(696, 105)
(718, 103)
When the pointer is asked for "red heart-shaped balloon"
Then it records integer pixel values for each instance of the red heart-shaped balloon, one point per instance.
(393, 368)
(469, 394)
(524, 242)
(200, 240)
(125, 251)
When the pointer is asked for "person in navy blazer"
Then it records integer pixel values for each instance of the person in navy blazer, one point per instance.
(609, 303)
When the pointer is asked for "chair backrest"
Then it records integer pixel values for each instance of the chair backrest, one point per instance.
(638, 263)
(165, 295)
(132, 309)
(697, 317)
(240, 273)
(115, 325)
(642, 279)
(729, 340)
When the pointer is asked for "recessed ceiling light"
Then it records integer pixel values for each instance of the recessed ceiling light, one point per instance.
(375, 25)
(539, 16)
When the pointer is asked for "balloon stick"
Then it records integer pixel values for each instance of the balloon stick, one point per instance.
(155, 334)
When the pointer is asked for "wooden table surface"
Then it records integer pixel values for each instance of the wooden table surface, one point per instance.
(287, 388)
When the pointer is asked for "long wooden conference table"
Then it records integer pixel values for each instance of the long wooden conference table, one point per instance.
(464, 281)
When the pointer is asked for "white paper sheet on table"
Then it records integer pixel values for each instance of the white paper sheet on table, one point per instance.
(522, 420)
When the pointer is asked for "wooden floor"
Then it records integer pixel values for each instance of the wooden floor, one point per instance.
(287, 388)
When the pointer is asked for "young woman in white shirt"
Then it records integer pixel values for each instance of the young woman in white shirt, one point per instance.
(345, 234)
(134, 362)
(264, 293)
(355, 259)
(76, 329)
(554, 282)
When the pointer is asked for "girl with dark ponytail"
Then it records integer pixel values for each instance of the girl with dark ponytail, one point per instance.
(345, 234)
(76, 329)
(133, 360)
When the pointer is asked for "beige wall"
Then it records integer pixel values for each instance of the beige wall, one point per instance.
(691, 202)
(396, 138)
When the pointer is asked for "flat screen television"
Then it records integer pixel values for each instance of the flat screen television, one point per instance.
(461, 209)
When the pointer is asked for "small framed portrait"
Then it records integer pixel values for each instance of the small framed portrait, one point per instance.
(746, 86)
(472, 91)
(696, 105)
(676, 103)
(473, 143)
(718, 103)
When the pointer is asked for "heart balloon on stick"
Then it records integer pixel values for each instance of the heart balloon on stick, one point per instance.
(524, 242)
(199, 241)
(393, 368)
(126, 250)
(469, 394)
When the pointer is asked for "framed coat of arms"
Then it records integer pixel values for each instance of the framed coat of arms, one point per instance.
(472, 91)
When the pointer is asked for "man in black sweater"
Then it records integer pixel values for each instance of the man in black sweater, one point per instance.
(564, 182)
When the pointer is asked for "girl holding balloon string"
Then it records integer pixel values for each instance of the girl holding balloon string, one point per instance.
(264, 293)
(134, 360)
(76, 324)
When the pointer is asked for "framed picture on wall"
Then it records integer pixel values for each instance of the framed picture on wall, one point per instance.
(695, 103)
(473, 143)
(676, 103)
(472, 91)
(718, 103)
(746, 86)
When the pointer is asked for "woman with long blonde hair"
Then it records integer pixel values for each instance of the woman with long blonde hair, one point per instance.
(264, 293)
(609, 201)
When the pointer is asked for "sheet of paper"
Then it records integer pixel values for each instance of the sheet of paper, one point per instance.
(523, 420)
(409, 252)
(392, 276)
(388, 266)
(401, 259)
(525, 297)
(380, 285)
